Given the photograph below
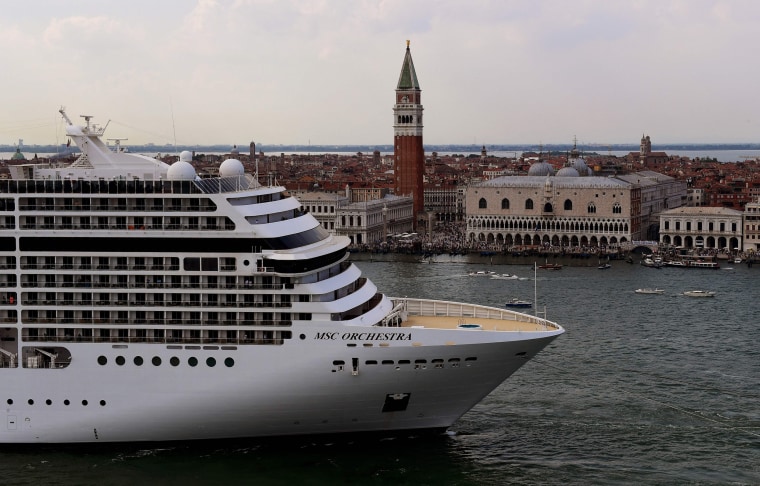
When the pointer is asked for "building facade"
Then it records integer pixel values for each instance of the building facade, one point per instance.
(751, 224)
(702, 227)
(408, 151)
(556, 211)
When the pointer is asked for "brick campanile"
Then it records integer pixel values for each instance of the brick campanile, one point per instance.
(408, 153)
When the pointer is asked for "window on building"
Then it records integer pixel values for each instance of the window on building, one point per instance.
(591, 208)
(529, 204)
(482, 204)
(568, 205)
(505, 203)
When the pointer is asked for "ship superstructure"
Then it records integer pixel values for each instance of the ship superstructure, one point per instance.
(143, 303)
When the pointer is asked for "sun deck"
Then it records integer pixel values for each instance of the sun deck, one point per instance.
(452, 315)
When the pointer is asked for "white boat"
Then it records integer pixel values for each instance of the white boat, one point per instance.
(518, 303)
(482, 273)
(699, 293)
(504, 276)
(651, 262)
(143, 303)
(649, 291)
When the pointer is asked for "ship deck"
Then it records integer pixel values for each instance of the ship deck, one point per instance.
(487, 324)
(436, 314)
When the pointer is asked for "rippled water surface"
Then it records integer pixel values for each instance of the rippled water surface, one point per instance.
(641, 389)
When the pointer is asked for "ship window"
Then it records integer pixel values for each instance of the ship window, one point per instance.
(156, 361)
(30, 401)
(404, 361)
(102, 360)
(229, 362)
(387, 361)
(138, 361)
(210, 362)
(120, 360)
(9, 401)
(210, 264)
(370, 362)
(192, 264)
(174, 361)
(471, 359)
(84, 403)
(66, 402)
(102, 403)
(192, 361)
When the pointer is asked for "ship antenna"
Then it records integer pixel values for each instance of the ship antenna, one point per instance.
(174, 130)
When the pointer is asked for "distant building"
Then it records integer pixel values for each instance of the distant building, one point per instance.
(701, 227)
(364, 222)
(751, 225)
(408, 151)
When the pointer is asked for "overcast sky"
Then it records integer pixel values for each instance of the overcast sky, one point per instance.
(324, 71)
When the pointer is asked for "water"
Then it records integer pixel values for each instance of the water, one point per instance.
(642, 389)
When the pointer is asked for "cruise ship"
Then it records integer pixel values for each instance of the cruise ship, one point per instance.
(141, 302)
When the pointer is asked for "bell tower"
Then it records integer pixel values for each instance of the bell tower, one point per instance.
(408, 152)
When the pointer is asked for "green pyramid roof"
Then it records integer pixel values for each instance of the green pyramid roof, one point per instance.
(408, 77)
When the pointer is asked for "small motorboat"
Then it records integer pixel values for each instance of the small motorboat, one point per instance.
(504, 276)
(604, 266)
(550, 266)
(699, 293)
(513, 303)
(649, 291)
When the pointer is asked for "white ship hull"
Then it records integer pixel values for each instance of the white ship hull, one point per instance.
(140, 302)
(268, 391)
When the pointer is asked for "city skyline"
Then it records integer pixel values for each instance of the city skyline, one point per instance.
(323, 73)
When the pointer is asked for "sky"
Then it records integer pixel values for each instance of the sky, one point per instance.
(323, 72)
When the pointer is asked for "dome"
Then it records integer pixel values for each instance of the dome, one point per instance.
(541, 169)
(231, 168)
(186, 156)
(181, 171)
(567, 172)
(235, 150)
(580, 165)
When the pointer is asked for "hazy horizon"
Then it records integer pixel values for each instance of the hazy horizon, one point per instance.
(313, 72)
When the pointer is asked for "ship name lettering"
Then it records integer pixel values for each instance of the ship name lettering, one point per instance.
(327, 335)
(376, 336)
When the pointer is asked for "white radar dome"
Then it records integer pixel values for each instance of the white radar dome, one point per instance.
(231, 168)
(186, 156)
(181, 171)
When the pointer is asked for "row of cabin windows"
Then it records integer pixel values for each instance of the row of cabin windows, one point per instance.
(548, 207)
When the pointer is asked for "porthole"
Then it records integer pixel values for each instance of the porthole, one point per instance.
(84, 403)
(30, 401)
(120, 360)
(156, 361)
(210, 362)
(48, 402)
(192, 361)
(9, 401)
(302, 336)
(102, 403)
(246, 262)
(66, 402)
(174, 361)
(229, 362)
(102, 360)
(138, 361)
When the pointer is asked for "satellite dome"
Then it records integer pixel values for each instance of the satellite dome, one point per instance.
(567, 172)
(541, 168)
(231, 168)
(186, 156)
(181, 171)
